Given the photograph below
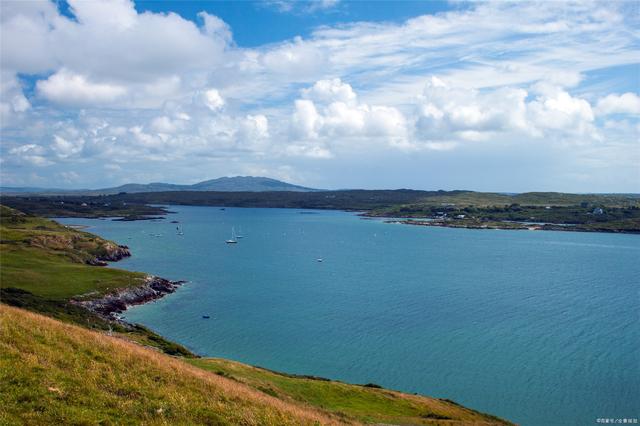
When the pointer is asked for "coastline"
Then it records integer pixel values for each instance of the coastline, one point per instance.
(112, 304)
(500, 225)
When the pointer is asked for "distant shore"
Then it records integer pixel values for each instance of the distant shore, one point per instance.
(469, 224)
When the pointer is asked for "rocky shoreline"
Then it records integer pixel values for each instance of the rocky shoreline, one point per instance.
(113, 254)
(110, 305)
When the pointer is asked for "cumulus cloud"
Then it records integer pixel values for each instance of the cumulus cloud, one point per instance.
(555, 109)
(68, 88)
(627, 103)
(255, 127)
(330, 111)
(456, 113)
(159, 87)
(213, 100)
(12, 101)
(29, 154)
(446, 112)
(65, 148)
(119, 56)
(330, 90)
(297, 59)
(216, 28)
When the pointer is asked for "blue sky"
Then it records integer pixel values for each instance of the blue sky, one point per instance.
(257, 23)
(492, 96)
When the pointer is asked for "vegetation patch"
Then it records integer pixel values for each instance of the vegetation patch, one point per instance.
(368, 404)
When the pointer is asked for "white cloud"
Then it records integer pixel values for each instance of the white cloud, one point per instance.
(445, 112)
(65, 148)
(164, 125)
(339, 117)
(31, 154)
(455, 113)
(329, 91)
(555, 109)
(12, 101)
(255, 127)
(296, 60)
(627, 103)
(158, 87)
(301, 7)
(68, 88)
(216, 28)
(305, 121)
(213, 100)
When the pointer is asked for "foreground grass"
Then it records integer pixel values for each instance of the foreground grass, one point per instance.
(57, 373)
(368, 403)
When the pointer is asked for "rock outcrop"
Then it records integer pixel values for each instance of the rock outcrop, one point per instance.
(112, 253)
(114, 303)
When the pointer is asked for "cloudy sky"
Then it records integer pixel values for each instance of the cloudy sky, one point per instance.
(332, 94)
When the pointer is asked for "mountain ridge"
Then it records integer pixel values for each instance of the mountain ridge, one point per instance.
(222, 184)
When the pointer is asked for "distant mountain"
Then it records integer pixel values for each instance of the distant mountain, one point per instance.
(223, 184)
(247, 183)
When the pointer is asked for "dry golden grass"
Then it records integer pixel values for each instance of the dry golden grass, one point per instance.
(56, 373)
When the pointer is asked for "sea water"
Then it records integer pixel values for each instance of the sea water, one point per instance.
(541, 328)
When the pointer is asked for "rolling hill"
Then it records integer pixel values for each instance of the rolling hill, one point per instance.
(223, 184)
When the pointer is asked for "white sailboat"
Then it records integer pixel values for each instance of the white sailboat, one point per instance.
(233, 239)
(239, 234)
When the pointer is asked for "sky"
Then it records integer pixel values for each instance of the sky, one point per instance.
(488, 96)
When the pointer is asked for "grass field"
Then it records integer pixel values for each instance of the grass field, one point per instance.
(48, 259)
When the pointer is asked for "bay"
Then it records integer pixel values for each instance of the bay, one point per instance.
(541, 328)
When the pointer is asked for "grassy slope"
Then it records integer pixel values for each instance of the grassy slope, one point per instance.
(56, 373)
(47, 259)
(364, 403)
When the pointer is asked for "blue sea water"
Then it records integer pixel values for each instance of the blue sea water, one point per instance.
(541, 328)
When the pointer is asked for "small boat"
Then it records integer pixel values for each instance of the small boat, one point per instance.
(206, 316)
(320, 259)
(240, 234)
(233, 237)
(179, 231)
